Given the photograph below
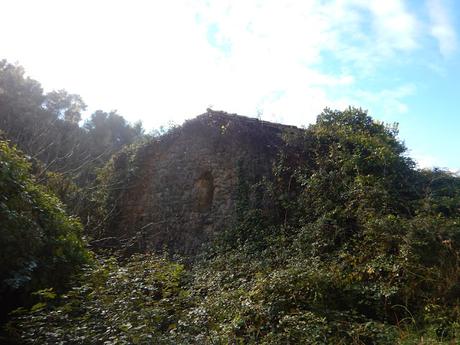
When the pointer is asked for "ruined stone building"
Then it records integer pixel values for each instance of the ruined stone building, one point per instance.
(183, 186)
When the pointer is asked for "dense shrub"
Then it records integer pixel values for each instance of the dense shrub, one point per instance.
(40, 246)
(139, 302)
(360, 248)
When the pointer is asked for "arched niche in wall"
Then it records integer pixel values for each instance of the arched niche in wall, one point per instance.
(204, 192)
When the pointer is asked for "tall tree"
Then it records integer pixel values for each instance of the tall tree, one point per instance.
(64, 105)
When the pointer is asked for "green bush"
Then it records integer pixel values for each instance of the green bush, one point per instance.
(40, 246)
(139, 302)
(360, 248)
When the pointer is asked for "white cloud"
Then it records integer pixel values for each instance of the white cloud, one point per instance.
(388, 102)
(424, 161)
(441, 27)
(159, 61)
(395, 26)
(278, 46)
(427, 161)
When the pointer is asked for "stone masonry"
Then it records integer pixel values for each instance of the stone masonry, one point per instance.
(184, 189)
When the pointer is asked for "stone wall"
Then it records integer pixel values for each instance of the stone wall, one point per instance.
(185, 186)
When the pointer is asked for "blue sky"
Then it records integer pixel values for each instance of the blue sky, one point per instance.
(166, 61)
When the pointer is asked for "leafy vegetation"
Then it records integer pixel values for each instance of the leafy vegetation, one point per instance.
(41, 246)
(129, 304)
(347, 243)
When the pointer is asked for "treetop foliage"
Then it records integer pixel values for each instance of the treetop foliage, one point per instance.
(46, 126)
